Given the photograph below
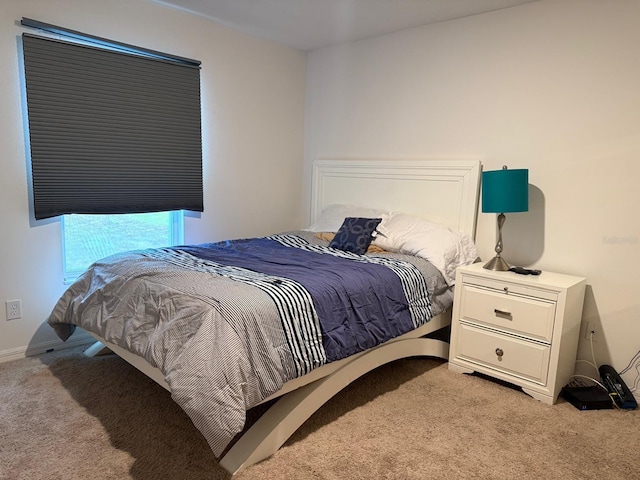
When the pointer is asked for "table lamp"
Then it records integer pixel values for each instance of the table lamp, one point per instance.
(504, 191)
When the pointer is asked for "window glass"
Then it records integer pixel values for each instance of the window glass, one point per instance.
(87, 238)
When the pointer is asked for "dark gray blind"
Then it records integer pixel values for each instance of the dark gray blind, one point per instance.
(111, 132)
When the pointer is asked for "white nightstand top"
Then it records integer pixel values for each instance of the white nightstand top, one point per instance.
(545, 279)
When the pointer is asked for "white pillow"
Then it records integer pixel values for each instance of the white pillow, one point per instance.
(446, 249)
(333, 216)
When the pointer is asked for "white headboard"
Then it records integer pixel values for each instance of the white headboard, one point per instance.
(443, 191)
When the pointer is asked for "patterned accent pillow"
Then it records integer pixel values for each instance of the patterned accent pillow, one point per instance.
(328, 236)
(355, 234)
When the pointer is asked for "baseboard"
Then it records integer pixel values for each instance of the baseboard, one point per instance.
(80, 338)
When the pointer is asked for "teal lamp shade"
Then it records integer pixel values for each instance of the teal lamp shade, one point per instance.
(505, 191)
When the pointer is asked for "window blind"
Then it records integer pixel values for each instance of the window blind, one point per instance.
(110, 131)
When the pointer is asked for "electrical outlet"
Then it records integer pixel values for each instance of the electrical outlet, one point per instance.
(591, 328)
(14, 309)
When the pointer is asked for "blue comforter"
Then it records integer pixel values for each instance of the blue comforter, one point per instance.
(359, 304)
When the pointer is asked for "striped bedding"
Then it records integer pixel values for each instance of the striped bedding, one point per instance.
(229, 323)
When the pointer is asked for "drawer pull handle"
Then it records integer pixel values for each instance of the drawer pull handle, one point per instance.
(499, 352)
(502, 313)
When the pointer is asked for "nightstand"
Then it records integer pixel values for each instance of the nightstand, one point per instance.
(522, 329)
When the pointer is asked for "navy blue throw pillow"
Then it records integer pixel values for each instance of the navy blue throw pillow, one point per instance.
(355, 234)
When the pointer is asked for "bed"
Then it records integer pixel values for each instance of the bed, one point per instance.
(231, 325)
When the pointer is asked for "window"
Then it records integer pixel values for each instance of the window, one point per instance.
(87, 238)
(115, 142)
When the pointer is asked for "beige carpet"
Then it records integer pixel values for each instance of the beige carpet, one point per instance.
(65, 416)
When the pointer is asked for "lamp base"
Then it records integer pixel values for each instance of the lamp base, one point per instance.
(497, 264)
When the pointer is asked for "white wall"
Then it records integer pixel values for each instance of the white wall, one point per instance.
(253, 111)
(552, 86)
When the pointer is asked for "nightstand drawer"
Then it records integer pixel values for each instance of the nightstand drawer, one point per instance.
(512, 355)
(521, 315)
(512, 287)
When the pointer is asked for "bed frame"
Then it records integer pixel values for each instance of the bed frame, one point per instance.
(445, 191)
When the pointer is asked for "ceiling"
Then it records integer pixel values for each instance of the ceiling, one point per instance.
(310, 24)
